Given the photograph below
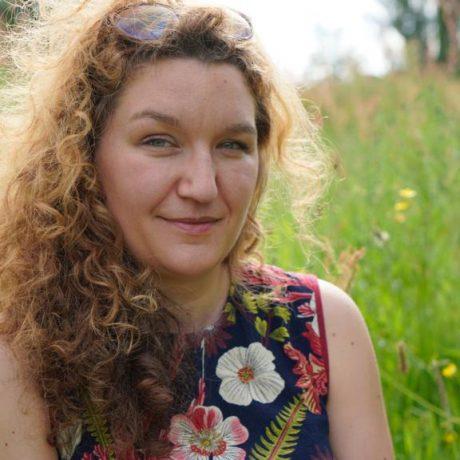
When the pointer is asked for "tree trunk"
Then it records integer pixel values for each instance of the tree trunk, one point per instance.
(443, 37)
(450, 13)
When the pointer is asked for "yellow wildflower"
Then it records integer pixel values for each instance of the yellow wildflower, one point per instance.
(399, 217)
(402, 205)
(407, 193)
(450, 437)
(449, 371)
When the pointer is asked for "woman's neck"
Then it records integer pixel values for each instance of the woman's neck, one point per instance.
(203, 298)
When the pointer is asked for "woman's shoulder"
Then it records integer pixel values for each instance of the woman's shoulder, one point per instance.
(339, 307)
(355, 393)
(24, 421)
(347, 334)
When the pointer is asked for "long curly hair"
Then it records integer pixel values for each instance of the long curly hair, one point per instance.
(83, 317)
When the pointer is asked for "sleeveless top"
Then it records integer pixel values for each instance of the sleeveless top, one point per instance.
(262, 382)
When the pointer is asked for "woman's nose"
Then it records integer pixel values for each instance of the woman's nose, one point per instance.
(198, 179)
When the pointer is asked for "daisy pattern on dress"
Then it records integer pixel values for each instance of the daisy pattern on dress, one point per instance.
(248, 374)
(202, 433)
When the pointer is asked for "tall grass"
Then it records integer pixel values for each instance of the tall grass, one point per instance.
(402, 131)
(395, 133)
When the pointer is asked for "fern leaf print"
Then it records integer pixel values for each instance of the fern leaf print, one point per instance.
(282, 434)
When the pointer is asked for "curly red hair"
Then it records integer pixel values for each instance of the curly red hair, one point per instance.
(84, 318)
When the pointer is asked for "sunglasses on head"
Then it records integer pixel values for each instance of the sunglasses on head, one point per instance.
(149, 22)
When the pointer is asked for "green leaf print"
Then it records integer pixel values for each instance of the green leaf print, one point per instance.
(250, 303)
(229, 311)
(282, 312)
(261, 326)
(282, 435)
(97, 426)
(264, 301)
(280, 334)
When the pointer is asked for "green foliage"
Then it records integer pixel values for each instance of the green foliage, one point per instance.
(391, 134)
(281, 436)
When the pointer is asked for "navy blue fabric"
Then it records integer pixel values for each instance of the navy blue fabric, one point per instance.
(299, 294)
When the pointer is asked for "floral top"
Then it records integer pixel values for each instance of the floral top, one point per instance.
(262, 380)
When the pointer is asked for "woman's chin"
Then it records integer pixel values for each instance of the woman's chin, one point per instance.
(187, 267)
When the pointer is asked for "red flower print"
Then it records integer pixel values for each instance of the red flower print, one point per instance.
(202, 433)
(217, 337)
(305, 311)
(293, 296)
(98, 453)
(131, 455)
(313, 338)
(199, 400)
(312, 377)
(268, 275)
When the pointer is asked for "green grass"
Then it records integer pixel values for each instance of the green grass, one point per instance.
(392, 133)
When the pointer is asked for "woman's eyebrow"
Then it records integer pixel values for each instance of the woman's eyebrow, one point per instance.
(235, 128)
(162, 117)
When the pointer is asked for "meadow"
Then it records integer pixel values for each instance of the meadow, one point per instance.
(392, 222)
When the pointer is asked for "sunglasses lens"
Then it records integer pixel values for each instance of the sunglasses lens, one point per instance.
(237, 25)
(145, 22)
(149, 22)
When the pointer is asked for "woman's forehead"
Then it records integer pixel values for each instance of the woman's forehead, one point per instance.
(183, 88)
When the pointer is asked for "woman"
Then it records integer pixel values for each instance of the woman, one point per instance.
(138, 317)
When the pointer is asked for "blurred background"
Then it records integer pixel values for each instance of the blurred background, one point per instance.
(385, 75)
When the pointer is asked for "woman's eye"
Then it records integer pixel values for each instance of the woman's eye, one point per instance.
(157, 142)
(235, 145)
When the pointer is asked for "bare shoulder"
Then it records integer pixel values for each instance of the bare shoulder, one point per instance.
(357, 415)
(24, 419)
(338, 305)
(343, 317)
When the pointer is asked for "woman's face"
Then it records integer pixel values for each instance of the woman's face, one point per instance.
(181, 144)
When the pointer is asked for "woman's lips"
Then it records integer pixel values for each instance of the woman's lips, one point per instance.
(194, 229)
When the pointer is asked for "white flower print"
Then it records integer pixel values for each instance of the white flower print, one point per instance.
(248, 374)
(67, 440)
(309, 310)
(315, 319)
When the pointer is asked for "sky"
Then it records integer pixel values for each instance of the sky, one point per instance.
(303, 37)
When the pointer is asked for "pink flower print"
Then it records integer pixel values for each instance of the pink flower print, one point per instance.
(312, 377)
(203, 433)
